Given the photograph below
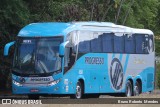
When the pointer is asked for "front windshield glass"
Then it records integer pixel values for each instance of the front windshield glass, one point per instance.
(38, 55)
(48, 59)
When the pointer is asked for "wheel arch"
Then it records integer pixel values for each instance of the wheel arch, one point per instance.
(132, 83)
(139, 80)
(82, 80)
(130, 79)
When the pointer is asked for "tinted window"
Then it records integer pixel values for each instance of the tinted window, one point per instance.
(119, 44)
(84, 46)
(130, 44)
(96, 45)
(140, 43)
(107, 42)
(84, 41)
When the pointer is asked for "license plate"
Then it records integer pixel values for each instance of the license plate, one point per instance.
(34, 90)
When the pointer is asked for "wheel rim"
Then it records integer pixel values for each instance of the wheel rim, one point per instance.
(136, 90)
(78, 91)
(128, 91)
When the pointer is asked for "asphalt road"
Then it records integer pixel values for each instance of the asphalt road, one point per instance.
(103, 101)
(153, 98)
(154, 94)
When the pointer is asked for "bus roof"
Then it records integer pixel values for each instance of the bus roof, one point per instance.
(59, 28)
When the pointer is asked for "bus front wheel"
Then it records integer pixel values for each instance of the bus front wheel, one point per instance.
(79, 91)
(129, 91)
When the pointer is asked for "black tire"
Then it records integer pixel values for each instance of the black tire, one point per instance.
(137, 89)
(33, 96)
(79, 91)
(129, 89)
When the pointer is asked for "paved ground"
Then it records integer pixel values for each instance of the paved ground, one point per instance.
(155, 94)
(94, 102)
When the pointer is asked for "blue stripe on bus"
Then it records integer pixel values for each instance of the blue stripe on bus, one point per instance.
(126, 63)
(120, 57)
(113, 55)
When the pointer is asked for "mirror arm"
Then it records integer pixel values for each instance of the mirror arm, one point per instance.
(62, 48)
(7, 46)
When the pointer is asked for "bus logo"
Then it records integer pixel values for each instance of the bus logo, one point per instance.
(22, 80)
(116, 74)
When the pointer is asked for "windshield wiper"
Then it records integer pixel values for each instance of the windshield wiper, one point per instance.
(43, 67)
(16, 70)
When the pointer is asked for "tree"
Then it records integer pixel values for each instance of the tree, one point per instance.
(13, 16)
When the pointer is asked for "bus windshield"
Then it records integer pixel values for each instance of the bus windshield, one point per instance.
(37, 55)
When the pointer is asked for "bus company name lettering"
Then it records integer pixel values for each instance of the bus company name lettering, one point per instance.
(94, 60)
(40, 79)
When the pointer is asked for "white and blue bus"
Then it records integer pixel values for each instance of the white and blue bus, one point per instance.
(82, 58)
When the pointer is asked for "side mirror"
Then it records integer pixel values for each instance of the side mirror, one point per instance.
(62, 48)
(7, 47)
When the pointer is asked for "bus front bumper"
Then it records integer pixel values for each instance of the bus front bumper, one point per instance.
(36, 89)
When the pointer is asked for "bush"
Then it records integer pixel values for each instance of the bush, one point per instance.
(158, 75)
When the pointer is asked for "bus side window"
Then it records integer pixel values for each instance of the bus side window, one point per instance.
(72, 56)
(84, 42)
(84, 46)
(69, 58)
(140, 44)
(130, 46)
(107, 42)
(66, 59)
(96, 44)
(119, 44)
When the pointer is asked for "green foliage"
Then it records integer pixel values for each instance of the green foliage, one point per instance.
(13, 15)
(158, 76)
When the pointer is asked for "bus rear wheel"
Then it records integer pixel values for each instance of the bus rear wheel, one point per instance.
(137, 89)
(129, 90)
(79, 91)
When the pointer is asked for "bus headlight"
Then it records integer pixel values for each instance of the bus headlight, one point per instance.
(53, 82)
(16, 83)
